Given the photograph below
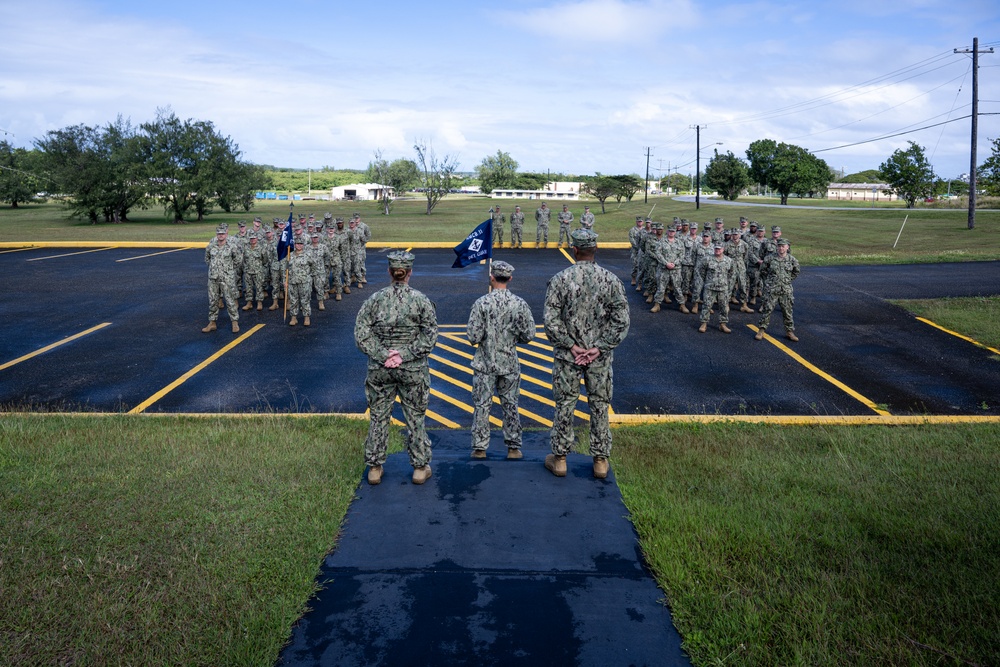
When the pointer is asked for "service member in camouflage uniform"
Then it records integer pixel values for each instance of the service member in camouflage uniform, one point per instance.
(397, 328)
(222, 259)
(542, 214)
(498, 322)
(300, 281)
(272, 284)
(516, 228)
(650, 265)
(335, 270)
(702, 252)
(358, 239)
(718, 285)
(769, 246)
(344, 243)
(565, 218)
(738, 251)
(753, 241)
(778, 272)
(498, 220)
(253, 272)
(240, 242)
(634, 235)
(669, 255)
(362, 256)
(586, 318)
(587, 219)
(690, 240)
(321, 260)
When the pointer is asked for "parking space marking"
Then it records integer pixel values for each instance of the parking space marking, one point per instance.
(30, 247)
(955, 333)
(70, 254)
(194, 371)
(566, 254)
(444, 421)
(829, 378)
(53, 345)
(129, 259)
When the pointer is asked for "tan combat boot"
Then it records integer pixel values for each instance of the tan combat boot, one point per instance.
(654, 309)
(260, 306)
(724, 329)
(514, 453)
(694, 309)
(305, 321)
(210, 327)
(790, 335)
(360, 284)
(633, 281)
(649, 299)
(422, 474)
(703, 328)
(236, 326)
(760, 335)
(337, 297)
(222, 304)
(375, 475)
(556, 464)
(600, 467)
(248, 306)
(347, 289)
(745, 308)
(322, 306)
(479, 453)
(733, 301)
(274, 304)
(294, 321)
(684, 309)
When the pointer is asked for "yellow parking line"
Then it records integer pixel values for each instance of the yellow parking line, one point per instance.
(456, 338)
(53, 345)
(536, 367)
(69, 254)
(191, 373)
(452, 326)
(429, 413)
(567, 255)
(541, 334)
(537, 355)
(129, 259)
(542, 345)
(446, 348)
(494, 420)
(955, 333)
(829, 378)
(30, 247)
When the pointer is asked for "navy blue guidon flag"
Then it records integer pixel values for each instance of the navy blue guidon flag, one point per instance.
(287, 240)
(477, 246)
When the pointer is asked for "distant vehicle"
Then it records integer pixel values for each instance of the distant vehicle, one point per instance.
(929, 200)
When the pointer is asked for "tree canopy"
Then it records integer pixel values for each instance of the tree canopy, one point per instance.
(727, 174)
(497, 171)
(602, 187)
(787, 168)
(400, 175)
(18, 184)
(908, 174)
(989, 172)
(437, 173)
(628, 185)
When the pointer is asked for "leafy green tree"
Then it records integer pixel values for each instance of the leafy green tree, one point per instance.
(677, 182)
(400, 175)
(437, 173)
(787, 168)
(531, 181)
(866, 176)
(628, 185)
(497, 171)
(18, 184)
(602, 187)
(727, 174)
(238, 184)
(988, 174)
(908, 174)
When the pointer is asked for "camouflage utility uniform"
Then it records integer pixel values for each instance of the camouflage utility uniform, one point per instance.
(542, 225)
(223, 259)
(516, 228)
(565, 219)
(300, 280)
(777, 274)
(498, 220)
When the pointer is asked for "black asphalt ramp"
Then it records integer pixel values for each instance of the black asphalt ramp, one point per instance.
(491, 562)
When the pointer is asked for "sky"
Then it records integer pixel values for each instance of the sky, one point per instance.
(569, 86)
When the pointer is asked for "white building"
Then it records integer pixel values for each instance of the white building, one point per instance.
(859, 192)
(570, 190)
(360, 191)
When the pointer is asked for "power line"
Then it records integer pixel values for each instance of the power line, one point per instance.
(898, 134)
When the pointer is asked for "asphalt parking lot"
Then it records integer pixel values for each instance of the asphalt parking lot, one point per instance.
(133, 318)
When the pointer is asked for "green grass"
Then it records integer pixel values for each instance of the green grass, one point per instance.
(976, 317)
(841, 236)
(174, 541)
(821, 546)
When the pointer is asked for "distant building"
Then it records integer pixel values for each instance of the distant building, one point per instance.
(859, 192)
(569, 190)
(360, 192)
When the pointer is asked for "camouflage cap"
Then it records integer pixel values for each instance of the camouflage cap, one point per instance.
(753, 223)
(242, 224)
(676, 219)
(257, 219)
(783, 242)
(357, 215)
(743, 218)
(638, 218)
(694, 225)
(583, 238)
(776, 228)
(657, 225)
(718, 246)
(221, 229)
(685, 223)
(340, 220)
(400, 259)
(328, 216)
(502, 269)
(706, 234)
(312, 216)
(269, 231)
(314, 237)
(671, 228)
(718, 221)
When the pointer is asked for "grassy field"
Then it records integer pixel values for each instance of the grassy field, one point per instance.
(842, 236)
(976, 317)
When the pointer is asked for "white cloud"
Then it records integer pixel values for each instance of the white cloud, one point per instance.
(588, 21)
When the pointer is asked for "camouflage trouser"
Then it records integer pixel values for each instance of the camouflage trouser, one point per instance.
(634, 256)
(498, 234)
(516, 236)
(740, 286)
(542, 232)
(715, 298)
(506, 387)
(413, 388)
(357, 271)
(698, 287)
(753, 282)
(299, 298)
(687, 278)
(564, 229)
(345, 267)
(335, 279)
(783, 299)
(278, 280)
(649, 274)
(664, 279)
(255, 286)
(222, 289)
(319, 285)
(599, 381)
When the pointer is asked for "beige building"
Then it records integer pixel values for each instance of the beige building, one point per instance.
(359, 192)
(870, 192)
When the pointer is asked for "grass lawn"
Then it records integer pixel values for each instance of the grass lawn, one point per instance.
(842, 236)
(975, 317)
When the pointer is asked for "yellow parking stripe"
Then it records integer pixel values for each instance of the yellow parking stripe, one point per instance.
(537, 355)
(494, 420)
(129, 259)
(829, 378)
(30, 247)
(53, 345)
(457, 338)
(191, 373)
(958, 335)
(542, 345)
(567, 255)
(429, 413)
(460, 353)
(69, 254)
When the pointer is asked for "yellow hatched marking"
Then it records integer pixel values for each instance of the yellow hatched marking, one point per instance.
(826, 376)
(567, 255)
(958, 335)
(194, 371)
(446, 348)
(494, 420)
(432, 415)
(542, 335)
(53, 345)
(69, 254)
(30, 247)
(457, 338)
(542, 345)
(165, 252)
(537, 355)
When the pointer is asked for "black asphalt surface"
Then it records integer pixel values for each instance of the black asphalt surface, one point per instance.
(157, 305)
(490, 562)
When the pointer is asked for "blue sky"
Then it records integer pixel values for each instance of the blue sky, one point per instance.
(569, 86)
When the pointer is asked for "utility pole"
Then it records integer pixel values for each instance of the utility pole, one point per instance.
(697, 167)
(645, 184)
(975, 125)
